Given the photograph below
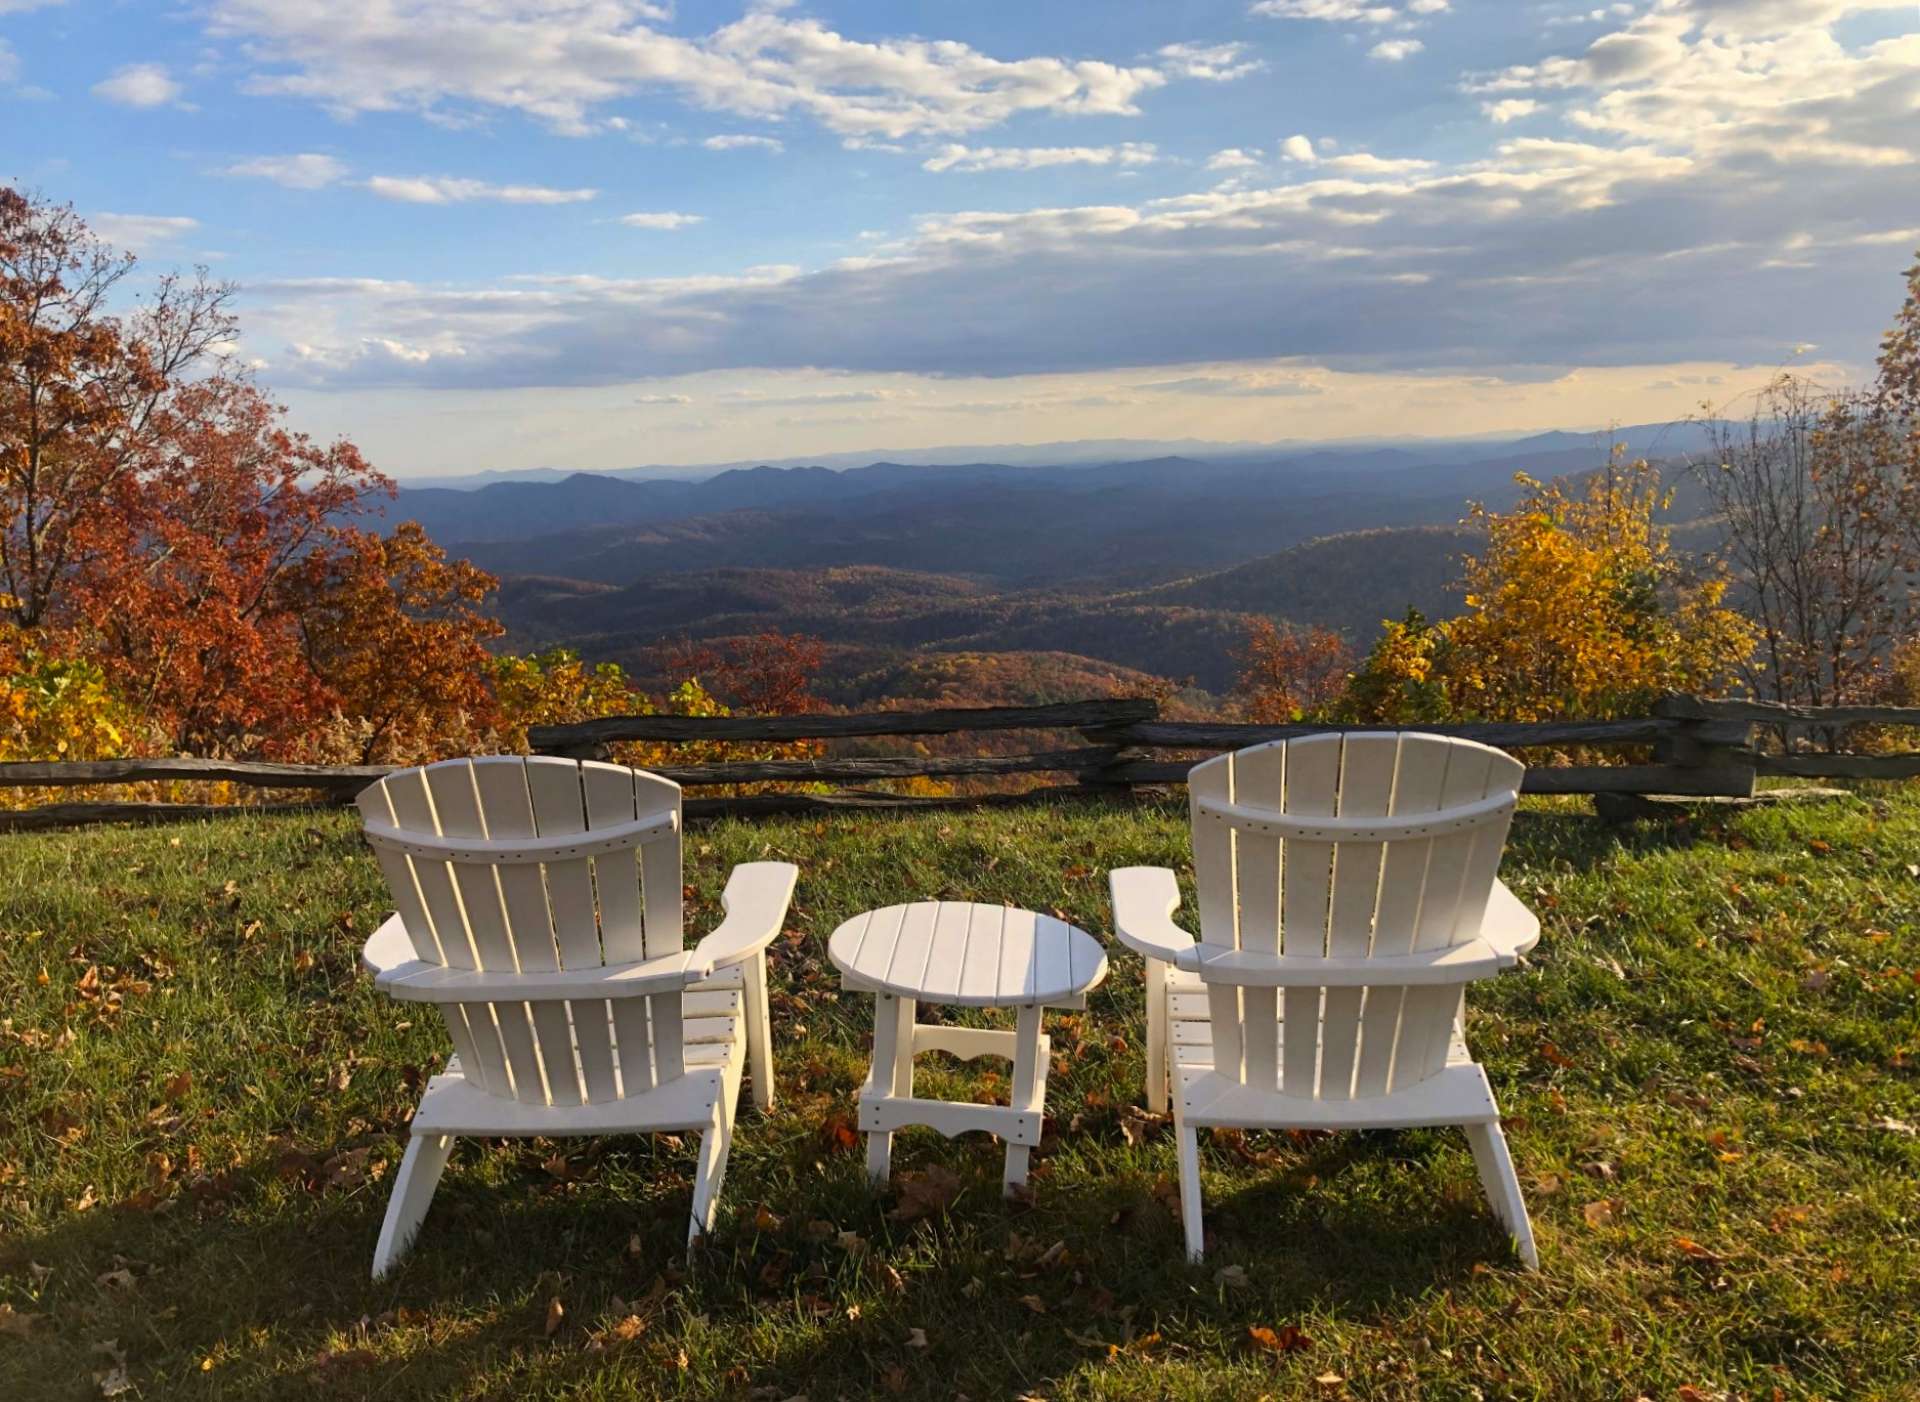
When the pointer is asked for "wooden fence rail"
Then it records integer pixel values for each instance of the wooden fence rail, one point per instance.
(1698, 748)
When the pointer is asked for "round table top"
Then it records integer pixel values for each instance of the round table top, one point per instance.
(968, 955)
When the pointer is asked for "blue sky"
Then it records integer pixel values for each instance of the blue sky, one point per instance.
(503, 233)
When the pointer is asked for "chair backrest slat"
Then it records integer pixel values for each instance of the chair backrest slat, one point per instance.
(1354, 895)
(1367, 767)
(474, 910)
(501, 784)
(1214, 875)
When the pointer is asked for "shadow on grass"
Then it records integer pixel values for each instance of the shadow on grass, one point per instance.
(274, 1288)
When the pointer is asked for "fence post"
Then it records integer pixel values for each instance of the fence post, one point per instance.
(1723, 747)
(1109, 775)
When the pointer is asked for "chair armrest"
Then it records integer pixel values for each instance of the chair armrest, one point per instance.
(1508, 925)
(755, 903)
(1144, 900)
(389, 948)
(1460, 963)
(418, 982)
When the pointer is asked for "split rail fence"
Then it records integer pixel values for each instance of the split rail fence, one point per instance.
(1698, 748)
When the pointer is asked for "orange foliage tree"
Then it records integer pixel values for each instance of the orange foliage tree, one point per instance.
(394, 635)
(161, 524)
(768, 673)
(1288, 672)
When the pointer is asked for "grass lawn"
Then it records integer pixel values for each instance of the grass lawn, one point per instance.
(1708, 1068)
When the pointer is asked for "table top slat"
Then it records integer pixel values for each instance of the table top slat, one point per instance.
(968, 954)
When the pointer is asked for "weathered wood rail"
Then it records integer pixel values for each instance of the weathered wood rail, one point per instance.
(1699, 748)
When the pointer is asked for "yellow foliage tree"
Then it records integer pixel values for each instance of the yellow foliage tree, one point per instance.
(1577, 607)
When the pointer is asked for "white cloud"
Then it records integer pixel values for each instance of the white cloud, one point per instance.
(1363, 164)
(975, 158)
(9, 62)
(306, 171)
(1727, 81)
(1662, 234)
(661, 219)
(444, 189)
(744, 143)
(1509, 109)
(1428, 7)
(1332, 11)
(1395, 50)
(560, 60)
(1256, 386)
(15, 7)
(1233, 158)
(663, 400)
(140, 232)
(1209, 63)
(139, 85)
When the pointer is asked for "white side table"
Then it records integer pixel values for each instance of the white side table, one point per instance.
(969, 956)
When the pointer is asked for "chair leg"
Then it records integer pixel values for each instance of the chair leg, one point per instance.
(1157, 1074)
(1502, 1187)
(715, 1141)
(1189, 1141)
(420, 1169)
(759, 1031)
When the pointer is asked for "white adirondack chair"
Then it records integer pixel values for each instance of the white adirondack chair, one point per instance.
(1347, 897)
(539, 908)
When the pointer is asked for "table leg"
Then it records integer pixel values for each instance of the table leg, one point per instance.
(1029, 1088)
(892, 1075)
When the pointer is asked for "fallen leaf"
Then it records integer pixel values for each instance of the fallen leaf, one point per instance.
(1601, 1212)
(112, 1380)
(14, 1324)
(1034, 1303)
(1893, 1126)
(114, 1280)
(916, 1338)
(347, 1169)
(176, 1088)
(1231, 1278)
(1288, 1339)
(556, 1314)
(1330, 1381)
(926, 1194)
(1137, 1124)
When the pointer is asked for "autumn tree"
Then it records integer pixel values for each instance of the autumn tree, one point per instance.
(83, 392)
(161, 524)
(1577, 607)
(768, 673)
(183, 590)
(394, 634)
(1288, 672)
(1819, 496)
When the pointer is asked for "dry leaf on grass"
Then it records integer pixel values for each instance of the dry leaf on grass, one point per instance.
(1034, 1303)
(14, 1324)
(112, 1379)
(1231, 1277)
(916, 1338)
(1289, 1338)
(1137, 1125)
(1601, 1212)
(556, 1315)
(926, 1194)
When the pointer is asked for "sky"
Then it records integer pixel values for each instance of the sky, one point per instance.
(494, 234)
